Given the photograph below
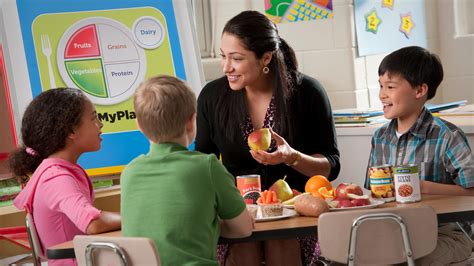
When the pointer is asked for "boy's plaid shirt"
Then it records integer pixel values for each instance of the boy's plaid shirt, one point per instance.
(439, 148)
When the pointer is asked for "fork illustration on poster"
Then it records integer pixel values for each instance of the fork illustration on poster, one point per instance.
(47, 51)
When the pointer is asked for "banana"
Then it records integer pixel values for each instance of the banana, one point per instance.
(292, 200)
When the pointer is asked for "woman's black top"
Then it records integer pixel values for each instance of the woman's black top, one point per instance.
(312, 126)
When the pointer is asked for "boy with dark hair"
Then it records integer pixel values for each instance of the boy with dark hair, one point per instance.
(181, 199)
(408, 78)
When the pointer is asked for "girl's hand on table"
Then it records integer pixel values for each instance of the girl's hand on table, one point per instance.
(283, 154)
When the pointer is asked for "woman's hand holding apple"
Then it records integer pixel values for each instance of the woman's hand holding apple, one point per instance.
(283, 154)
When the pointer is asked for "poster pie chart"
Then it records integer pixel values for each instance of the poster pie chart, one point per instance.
(100, 57)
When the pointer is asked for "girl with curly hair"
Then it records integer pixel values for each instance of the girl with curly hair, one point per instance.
(57, 127)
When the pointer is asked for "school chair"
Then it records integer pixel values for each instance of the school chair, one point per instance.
(378, 236)
(16, 235)
(470, 235)
(35, 243)
(19, 237)
(102, 250)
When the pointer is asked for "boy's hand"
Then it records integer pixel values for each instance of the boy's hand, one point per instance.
(425, 186)
(428, 187)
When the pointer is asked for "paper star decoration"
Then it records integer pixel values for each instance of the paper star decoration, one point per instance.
(372, 21)
(388, 3)
(406, 24)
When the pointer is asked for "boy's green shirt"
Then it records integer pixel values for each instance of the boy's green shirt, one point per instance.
(175, 196)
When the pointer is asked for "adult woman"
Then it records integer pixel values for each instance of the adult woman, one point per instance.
(262, 88)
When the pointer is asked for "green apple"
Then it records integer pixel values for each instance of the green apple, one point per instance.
(282, 189)
(260, 139)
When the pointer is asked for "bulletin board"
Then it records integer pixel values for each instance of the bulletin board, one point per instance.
(383, 26)
(105, 48)
(284, 11)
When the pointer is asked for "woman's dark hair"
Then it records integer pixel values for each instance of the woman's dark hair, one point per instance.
(260, 35)
(415, 64)
(47, 122)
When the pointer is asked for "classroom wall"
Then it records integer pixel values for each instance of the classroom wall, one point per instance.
(327, 51)
(456, 48)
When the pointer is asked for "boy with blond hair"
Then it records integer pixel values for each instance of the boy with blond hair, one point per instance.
(408, 78)
(181, 199)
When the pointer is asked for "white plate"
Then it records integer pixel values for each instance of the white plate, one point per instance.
(373, 203)
(286, 214)
(386, 199)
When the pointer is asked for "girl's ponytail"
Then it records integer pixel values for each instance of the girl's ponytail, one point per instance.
(46, 124)
(23, 163)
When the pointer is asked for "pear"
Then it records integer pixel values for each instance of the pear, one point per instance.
(282, 189)
(260, 139)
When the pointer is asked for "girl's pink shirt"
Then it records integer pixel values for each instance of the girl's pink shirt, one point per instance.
(59, 195)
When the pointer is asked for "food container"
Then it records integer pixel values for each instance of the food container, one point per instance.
(253, 209)
(249, 187)
(407, 183)
(271, 210)
(381, 182)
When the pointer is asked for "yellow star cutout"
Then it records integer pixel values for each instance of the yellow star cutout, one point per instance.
(372, 21)
(406, 24)
(388, 3)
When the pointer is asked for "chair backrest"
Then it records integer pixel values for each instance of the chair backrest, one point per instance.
(377, 235)
(35, 243)
(102, 250)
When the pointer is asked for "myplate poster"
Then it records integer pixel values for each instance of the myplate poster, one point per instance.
(107, 48)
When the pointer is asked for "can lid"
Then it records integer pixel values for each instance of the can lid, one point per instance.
(381, 166)
(406, 165)
(247, 176)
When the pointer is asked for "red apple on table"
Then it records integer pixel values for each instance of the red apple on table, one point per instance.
(344, 189)
(360, 202)
(295, 192)
(260, 139)
(344, 204)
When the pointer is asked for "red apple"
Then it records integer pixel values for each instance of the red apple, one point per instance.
(295, 192)
(348, 188)
(360, 202)
(260, 139)
(344, 204)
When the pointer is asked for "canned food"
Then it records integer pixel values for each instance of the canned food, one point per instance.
(381, 182)
(249, 187)
(407, 183)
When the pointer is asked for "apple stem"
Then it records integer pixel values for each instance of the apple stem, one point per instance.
(284, 178)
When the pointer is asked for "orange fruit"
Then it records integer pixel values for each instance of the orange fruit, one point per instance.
(316, 182)
(326, 193)
(317, 194)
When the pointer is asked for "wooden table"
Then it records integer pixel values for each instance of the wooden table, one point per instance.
(448, 208)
